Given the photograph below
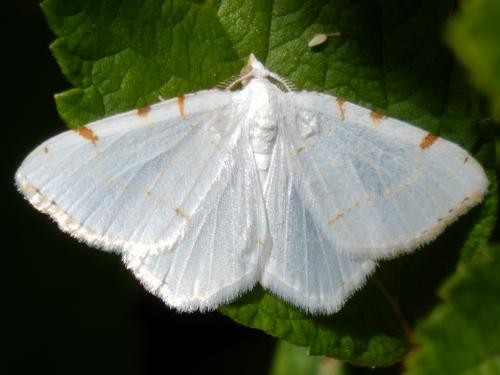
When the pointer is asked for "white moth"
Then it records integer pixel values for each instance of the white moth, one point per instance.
(206, 195)
(321, 38)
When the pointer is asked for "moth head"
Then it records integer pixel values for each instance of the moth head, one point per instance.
(255, 69)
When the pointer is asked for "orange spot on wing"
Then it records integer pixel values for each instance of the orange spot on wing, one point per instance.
(180, 213)
(427, 141)
(143, 111)
(341, 105)
(46, 150)
(86, 133)
(180, 104)
(346, 210)
(376, 117)
(334, 219)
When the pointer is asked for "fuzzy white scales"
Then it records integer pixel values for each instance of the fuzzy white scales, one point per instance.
(208, 194)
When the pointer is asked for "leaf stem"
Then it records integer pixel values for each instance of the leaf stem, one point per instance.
(393, 302)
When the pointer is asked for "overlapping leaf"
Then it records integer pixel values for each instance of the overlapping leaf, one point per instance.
(461, 336)
(474, 35)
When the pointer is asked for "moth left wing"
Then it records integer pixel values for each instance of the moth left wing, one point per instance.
(223, 244)
(173, 188)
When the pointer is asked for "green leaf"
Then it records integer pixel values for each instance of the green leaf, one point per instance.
(462, 335)
(293, 360)
(122, 54)
(474, 35)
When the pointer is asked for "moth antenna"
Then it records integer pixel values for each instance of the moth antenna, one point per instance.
(228, 82)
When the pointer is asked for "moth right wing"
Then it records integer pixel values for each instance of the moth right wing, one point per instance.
(304, 267)
(385, 187)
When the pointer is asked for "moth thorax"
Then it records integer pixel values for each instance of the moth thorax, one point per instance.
(262, 121)
(262, 139)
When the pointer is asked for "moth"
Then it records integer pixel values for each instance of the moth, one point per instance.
(208, 194)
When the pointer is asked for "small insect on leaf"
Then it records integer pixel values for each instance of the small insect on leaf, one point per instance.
(321, 38)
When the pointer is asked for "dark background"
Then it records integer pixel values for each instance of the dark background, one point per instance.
(71, 309)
